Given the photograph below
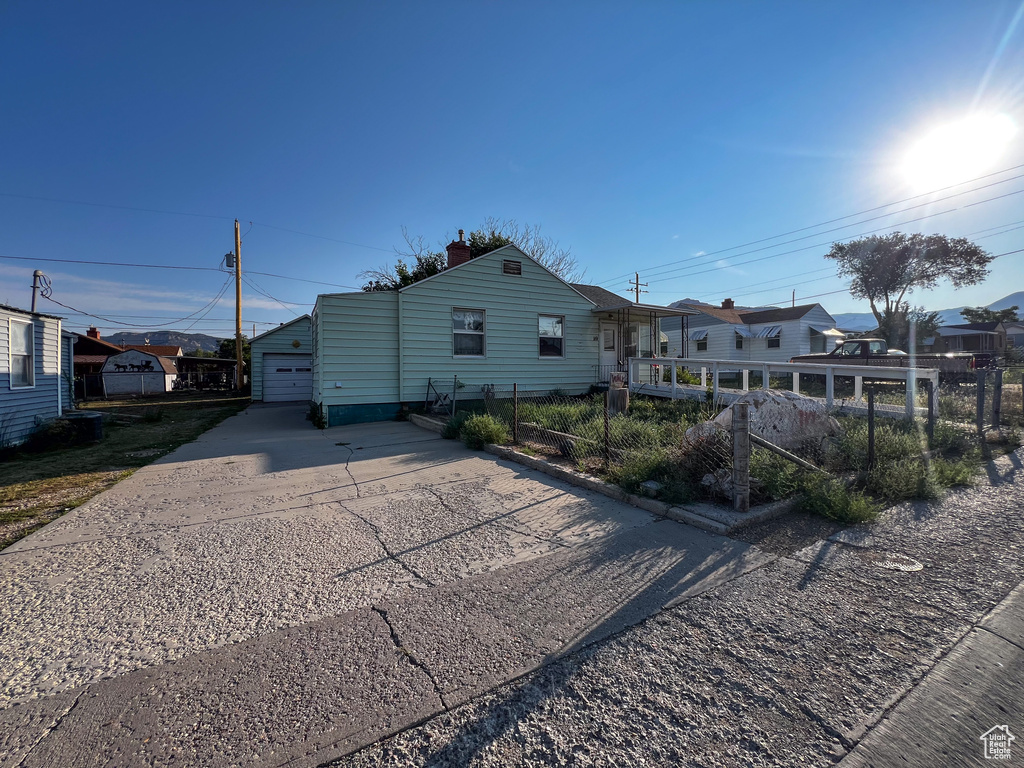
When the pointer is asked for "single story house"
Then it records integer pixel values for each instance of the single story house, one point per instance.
(282, 363)
(770, 334)
(1014, 335)
(32, 389)
(138, 373)
(968, 337)
(500, 318)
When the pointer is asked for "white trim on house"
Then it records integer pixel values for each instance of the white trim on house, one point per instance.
(280, 327)
(31, 355)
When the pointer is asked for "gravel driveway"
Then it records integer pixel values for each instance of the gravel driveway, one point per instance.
(274, 594)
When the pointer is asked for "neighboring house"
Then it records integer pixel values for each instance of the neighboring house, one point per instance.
(281, 363)
(771, 334)
(500, 318)
(968, 337)
(138, 373)
(31, 387)
(164, 350)
(91, 352)
(1014, 335)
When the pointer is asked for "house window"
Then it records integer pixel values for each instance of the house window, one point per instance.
(510, 267)
(702, 345)
(468, 332)
(609, 339)
(23, 368)
(774, 343)
(551, 330)
(739, 341)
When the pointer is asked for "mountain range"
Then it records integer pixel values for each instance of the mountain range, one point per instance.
(865, 321)
(187, 341)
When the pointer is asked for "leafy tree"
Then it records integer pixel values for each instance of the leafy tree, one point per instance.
(896, 327)
(226, 349)
(885, 269)
(984, 315)
(417, 261)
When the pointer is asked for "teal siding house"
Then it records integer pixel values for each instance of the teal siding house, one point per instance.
(500, 318)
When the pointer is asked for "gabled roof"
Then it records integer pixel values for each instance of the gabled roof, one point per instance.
(281, 327)
(169, 350)
(165, 363)
(973, 326)
(28, 312)
(776, 315)
(600, 296)
(89, 341)
(732, 316)
(511, 248)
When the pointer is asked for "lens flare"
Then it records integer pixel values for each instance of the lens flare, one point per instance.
(958, 151)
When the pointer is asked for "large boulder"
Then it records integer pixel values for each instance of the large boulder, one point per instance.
(784, 418)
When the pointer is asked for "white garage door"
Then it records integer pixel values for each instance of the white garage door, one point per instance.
(287, 378)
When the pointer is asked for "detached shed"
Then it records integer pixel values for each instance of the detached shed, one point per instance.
(138, 373)
(282, 363)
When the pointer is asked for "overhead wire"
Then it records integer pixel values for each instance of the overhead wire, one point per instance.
(848, 216)
(208, 306)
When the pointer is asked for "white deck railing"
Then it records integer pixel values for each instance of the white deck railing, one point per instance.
(653, 380)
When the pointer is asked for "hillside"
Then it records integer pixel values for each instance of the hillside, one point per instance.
(865, 321)
(187, 341)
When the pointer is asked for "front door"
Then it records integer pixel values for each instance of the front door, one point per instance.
(609, 348)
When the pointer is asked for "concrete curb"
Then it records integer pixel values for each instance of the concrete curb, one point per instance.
(708, 517)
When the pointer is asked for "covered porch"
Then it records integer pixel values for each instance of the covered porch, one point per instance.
(627, 330)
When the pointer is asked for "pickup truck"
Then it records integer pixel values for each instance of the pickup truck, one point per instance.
(951, 365)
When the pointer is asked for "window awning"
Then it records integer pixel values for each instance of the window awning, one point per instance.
(742, 331)
(770, 332)
(699, 335)
(824, 329)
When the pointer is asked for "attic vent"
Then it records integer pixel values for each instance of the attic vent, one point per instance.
(509, 267)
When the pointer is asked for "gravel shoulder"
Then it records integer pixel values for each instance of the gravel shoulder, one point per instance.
(789, 664)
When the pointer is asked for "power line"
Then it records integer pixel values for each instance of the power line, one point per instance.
(849, 216)
(821, 245)
(208, 306)
(169, 266)
(252, 284)
(832, 269)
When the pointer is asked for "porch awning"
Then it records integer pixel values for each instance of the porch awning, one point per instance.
(824, 329)
(743, 331)
(699, 335)
(768, 333)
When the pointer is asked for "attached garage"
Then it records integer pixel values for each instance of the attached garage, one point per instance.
(282, 368)
(287, 378)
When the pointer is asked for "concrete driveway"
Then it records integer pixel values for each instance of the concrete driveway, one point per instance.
(273, 594)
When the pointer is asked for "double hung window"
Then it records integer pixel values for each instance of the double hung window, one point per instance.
(23, 368)
(551, 331)
(468, 332)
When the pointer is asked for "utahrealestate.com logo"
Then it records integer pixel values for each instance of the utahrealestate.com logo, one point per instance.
(997, 742)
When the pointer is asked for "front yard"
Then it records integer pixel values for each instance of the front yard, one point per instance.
(47, 477)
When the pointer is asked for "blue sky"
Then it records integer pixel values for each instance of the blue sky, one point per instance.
(637, 134)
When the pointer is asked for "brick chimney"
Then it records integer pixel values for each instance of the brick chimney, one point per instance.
(728, 304)
(93, 332)
(458, 250)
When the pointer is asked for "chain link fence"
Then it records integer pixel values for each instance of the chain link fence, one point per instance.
(655, 447)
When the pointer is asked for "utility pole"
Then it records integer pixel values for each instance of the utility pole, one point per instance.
(35, 287)
(636, 285)
(239, 376)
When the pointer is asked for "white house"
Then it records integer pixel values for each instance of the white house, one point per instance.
(133, 372)
(771, 334)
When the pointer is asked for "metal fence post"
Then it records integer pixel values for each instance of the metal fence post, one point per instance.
(997, 397)
(931, 411)
(515, 413)
(741, 456)
(871, 426)
(607, 431)
(981, 403)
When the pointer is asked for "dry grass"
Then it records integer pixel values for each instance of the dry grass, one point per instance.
(39, 486)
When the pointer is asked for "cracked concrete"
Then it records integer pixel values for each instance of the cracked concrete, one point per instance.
(265, 596)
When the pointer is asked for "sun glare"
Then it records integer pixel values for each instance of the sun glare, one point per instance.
(958, 151)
